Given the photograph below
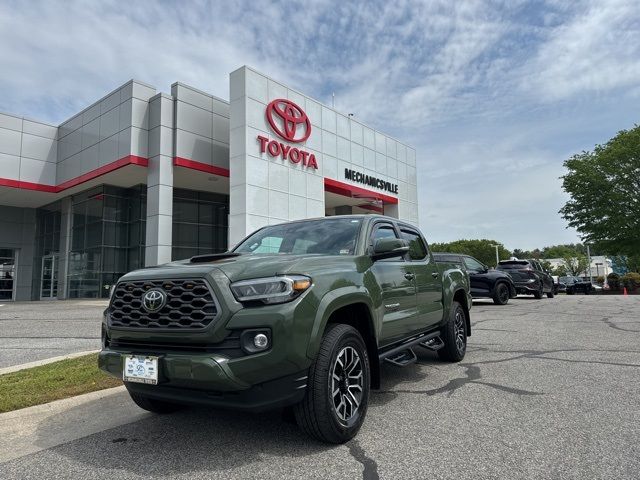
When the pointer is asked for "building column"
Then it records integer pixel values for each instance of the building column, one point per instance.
(160, 181)
(66, 218)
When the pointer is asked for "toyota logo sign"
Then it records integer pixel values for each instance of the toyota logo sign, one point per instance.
(288, 120)
(291, 124)
(154, 299)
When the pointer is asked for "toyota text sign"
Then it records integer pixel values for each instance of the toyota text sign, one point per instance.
(290, 123)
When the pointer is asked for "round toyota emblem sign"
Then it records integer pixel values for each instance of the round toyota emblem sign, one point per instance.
(288, 120)
(154, 299)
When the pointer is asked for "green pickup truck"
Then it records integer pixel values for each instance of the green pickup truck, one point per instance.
(298, 315)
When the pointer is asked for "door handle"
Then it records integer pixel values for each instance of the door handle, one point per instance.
(409, 276)
(435, 274)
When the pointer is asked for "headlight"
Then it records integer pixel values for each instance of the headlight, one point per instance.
(271, 290)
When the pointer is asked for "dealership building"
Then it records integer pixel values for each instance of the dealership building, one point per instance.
(141, 178)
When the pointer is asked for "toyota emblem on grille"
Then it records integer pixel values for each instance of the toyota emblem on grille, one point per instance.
(154, 299)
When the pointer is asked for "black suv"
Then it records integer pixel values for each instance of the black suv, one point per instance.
(529, 277)
(485, 283)
(576, 285)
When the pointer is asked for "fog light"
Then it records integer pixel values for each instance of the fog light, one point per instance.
(255, 340)
(261, 341)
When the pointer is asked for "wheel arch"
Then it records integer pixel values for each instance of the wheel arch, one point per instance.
(460, 296)
(359, 317)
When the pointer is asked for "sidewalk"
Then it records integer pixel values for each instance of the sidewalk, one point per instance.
(32, 429)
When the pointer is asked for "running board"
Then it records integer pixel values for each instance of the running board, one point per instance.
(420, 339)
(403, 358)
(433, 344)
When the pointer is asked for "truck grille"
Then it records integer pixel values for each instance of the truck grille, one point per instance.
(190, 305)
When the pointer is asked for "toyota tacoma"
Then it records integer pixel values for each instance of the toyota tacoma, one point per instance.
(298, 315)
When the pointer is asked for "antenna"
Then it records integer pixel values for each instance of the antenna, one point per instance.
(333, 100)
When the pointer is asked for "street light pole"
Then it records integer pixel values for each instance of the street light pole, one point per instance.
(589, 263)
(497, 256)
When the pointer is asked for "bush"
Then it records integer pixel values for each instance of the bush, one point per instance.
(631, 280)
(613, 279)
(600, 279)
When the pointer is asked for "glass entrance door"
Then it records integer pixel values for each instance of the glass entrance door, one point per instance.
(49, 277)
(7, 273)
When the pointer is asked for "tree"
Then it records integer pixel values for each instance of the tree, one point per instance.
(482, 249)
(575, 265)
(560, 251)
(560, 271)
(604, 186)
(521, 253)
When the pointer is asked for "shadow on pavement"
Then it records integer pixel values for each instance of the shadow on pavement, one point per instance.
(192, 440)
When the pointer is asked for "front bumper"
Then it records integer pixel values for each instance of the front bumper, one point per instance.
(208, 381)
(196, 367)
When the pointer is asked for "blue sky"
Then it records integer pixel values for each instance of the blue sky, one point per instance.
(494, 95)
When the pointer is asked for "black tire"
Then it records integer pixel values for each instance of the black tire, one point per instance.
(550, 294)
(153, 405)
(317, 414)
(502, 294)
(454, 335)
(539, 293)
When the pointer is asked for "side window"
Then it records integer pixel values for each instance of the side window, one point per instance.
(417, 248)
(473, 264)
(383, 231)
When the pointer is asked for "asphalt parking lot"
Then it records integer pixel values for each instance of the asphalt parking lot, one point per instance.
(548, 389)
(31, 331)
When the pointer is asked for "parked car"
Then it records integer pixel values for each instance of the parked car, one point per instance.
(485, 283)
(577, 285)
(558, 286)
(529, 277)
(298, 315)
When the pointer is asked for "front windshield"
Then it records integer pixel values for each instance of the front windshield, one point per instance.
(329, 236)
(567, 280)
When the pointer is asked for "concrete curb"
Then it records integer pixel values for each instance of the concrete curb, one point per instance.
(37, 363)
(32, 429)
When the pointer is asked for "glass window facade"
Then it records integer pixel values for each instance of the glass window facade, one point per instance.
(107, 238)
(200, 223)
(7, 273)
(47, 247)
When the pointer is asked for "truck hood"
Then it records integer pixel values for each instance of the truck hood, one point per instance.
(248, 266)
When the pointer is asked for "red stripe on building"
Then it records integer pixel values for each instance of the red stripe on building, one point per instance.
(202, 167)
(373, 208)
(110, 167)
(348, 190)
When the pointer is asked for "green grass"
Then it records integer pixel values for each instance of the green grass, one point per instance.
(43, 384)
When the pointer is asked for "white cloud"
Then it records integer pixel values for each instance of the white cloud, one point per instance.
(494, 94)
(596, 52)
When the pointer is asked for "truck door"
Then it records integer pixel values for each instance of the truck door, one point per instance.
(398, 291)
(427, 278)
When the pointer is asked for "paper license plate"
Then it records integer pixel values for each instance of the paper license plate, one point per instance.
(141, 369)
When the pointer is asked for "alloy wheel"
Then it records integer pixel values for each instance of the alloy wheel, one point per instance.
(503, 294)
(458, 328)
(347, 383)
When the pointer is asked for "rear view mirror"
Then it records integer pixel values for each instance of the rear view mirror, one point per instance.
(389, 248)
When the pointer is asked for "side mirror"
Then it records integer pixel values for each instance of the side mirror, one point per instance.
(389, 248)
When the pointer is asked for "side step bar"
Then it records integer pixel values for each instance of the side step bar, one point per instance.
(403, 358)
(433, 344)
(402, 355)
